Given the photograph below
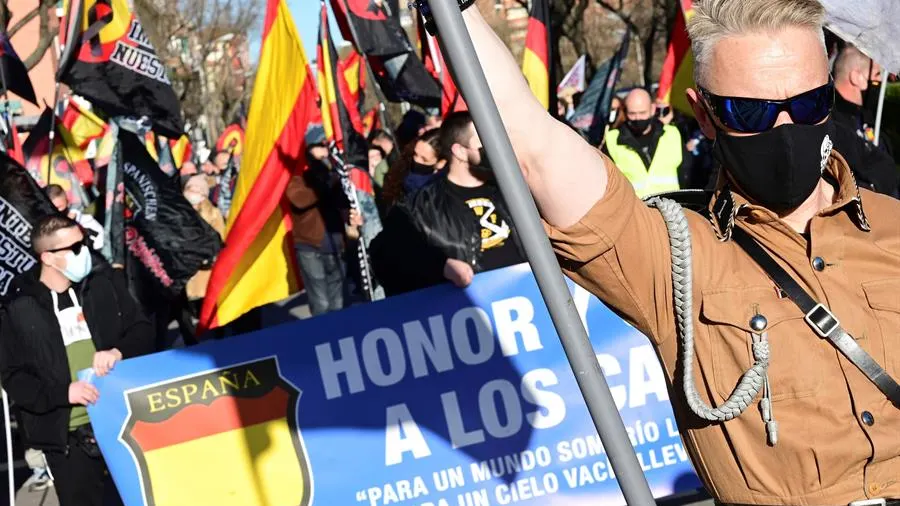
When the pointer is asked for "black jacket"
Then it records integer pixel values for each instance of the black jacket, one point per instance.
(421, 232)
(34, 366)
(872, 166)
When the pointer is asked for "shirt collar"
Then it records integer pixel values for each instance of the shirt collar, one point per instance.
(726, 205)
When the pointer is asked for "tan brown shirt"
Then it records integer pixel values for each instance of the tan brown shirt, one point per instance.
(826, 454)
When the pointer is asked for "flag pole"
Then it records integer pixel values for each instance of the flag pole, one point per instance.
(378, 93)
(572, 334)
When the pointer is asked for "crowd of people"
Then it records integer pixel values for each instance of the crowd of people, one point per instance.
(437, 216)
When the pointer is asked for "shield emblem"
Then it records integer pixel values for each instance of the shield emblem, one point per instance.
(227, 437)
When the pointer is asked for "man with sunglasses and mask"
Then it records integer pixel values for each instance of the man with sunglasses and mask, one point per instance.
(70, 312)
(820, 432)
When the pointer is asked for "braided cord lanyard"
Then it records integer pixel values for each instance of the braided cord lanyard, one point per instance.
(754, 379)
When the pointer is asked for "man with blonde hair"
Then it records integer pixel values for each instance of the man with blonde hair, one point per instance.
(818, 430)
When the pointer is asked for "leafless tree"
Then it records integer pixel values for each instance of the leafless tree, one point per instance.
(44, 11)
(202, 42)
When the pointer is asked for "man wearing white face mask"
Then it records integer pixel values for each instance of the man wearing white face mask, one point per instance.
(70, 312)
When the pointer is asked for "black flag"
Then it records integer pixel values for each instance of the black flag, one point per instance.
(376, 26)
(22, 204)
(15, 75)
(110, 61)
(164, 235)
(592, 114)
(400, 74)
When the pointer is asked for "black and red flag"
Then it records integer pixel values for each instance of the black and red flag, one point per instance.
(336, 118)
(377, 28)
(374, 27)
(536, 64)
(109, 60)
(451, 99)
(14, 74)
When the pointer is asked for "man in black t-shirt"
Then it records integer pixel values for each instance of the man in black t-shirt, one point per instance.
(455, 226)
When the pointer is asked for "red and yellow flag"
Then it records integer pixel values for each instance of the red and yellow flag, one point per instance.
(678, 67)
(352, 83)
(181, 150)
(333, 95)
(83, 125)
(231, 140)
(257, 264)
(536, 64)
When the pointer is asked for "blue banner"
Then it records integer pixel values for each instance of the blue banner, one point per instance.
(440, 397)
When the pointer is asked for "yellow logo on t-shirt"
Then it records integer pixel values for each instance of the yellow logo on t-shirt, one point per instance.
(494, 231)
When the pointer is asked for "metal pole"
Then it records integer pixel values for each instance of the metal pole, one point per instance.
(463, 60)
(10, 469)
(880, 111)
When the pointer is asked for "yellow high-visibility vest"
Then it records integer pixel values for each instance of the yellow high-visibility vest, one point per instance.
(663, 173)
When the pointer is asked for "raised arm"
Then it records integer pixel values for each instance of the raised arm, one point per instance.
(566, 175)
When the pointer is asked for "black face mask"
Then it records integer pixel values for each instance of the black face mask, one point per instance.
(421, 168)
(778, 168)
(638, 126)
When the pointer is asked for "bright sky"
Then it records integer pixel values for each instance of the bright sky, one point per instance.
(306, 17)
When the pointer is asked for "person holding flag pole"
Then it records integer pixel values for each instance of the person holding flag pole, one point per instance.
(460, 52)
(787, 258)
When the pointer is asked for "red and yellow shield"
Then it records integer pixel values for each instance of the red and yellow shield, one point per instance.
(227, 437)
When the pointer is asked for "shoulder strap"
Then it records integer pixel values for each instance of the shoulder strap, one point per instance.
(820, 318)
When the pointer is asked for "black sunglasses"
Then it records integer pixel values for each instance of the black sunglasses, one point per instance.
(74, 248)
(754, 115)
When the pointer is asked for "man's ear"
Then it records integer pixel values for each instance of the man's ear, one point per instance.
(858, 80)
(459, 152)
(701, 113)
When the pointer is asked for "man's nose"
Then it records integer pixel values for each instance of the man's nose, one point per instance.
(783, 119)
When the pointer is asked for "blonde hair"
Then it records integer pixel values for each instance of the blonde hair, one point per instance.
(715, 19)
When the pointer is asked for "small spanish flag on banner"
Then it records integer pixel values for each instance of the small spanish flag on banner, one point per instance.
(257, 264)
(678, 67)
(227, 437)
(536, 64)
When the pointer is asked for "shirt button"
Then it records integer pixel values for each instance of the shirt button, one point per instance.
(868, 419)
(818, 264)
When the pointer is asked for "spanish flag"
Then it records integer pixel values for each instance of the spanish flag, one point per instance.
(352, 84)
(678, 67)
(181, 150)
(82, 124)
(536, 65)
(336, 119)
(257, 264)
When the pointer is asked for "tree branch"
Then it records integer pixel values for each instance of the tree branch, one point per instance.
(46, 36)
(24, 21)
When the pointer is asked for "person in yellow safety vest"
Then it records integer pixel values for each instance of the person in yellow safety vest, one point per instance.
(650, 154)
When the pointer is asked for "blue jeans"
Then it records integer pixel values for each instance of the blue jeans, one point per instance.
(323, 278)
